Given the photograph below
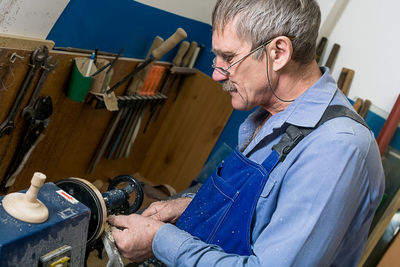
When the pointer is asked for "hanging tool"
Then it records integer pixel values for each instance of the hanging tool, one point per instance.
(332, 57)
(47, 68)
(177, 61)
(157, 54)
(136, 122)
(36, 124)
(320, 48)
(37, 59)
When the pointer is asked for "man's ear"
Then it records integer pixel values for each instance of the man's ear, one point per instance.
(281, 52)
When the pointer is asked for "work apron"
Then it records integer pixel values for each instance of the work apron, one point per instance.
(222, 211)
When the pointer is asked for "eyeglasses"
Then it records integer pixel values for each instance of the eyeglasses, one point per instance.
(225, 71)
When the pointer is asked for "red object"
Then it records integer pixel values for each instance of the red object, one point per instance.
(389, 128)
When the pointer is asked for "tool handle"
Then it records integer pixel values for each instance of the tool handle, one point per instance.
(332, 56)
(357, 105)
(186, 60)
(157, 53)
(156, 43)
(347, 81)
(181, 52)
(138, 80)
(170, 43)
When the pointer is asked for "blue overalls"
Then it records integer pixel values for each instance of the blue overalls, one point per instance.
(221, 213)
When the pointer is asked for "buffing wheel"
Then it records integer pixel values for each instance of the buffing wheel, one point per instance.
(90, 196)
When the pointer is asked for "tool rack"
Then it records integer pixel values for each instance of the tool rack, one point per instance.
(173, 150)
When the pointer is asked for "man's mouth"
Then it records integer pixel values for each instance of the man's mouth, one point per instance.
(228, 87)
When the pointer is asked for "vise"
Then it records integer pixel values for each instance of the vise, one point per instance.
(57, 224)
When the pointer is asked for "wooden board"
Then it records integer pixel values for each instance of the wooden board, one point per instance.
(75, 129)
(23, 42)
(192, 125)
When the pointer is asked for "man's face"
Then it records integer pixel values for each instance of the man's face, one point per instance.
(247, 82)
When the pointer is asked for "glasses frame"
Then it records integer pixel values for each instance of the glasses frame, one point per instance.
(225, 71)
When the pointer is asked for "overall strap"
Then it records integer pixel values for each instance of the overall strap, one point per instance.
(293, 134)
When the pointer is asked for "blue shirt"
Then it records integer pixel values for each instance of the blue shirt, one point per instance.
(316, 207)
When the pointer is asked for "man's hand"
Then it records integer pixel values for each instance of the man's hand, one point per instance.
(133, 235)
(167, 211)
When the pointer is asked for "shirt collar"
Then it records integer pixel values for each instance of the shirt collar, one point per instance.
(305, 111)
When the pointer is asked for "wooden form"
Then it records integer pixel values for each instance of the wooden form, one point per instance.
(173, 149)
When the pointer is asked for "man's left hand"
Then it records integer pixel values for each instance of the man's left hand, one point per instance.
(133, 235)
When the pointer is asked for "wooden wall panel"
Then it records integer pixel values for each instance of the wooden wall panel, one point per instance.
(189, 133)
(175, 146)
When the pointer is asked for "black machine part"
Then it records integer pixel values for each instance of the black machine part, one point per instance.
(114, 201)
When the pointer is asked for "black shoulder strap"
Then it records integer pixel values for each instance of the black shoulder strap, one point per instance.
(293, 134)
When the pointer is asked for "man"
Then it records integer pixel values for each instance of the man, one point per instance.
(306, 179)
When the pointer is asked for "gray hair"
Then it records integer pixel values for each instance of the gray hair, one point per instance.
(261, 20)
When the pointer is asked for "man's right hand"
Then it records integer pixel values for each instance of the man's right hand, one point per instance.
(167, 211)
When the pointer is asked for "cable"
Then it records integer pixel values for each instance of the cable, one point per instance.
(269, 83)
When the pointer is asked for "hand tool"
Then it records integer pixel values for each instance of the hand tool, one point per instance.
(390, 127)
(136, 123)
(37, 59)
(165, 88)
(345, 79)
(185, 63)
(332, 56)
(114, 258)
(320, 48)
(364, 108)
(130, 114)
(196, 53)
(156, 54)
(37, 123)
(357, 105)
(47, 68)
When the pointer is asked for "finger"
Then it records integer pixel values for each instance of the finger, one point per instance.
(149, 212)
(152, 209)
(118, 234)
(120, 221)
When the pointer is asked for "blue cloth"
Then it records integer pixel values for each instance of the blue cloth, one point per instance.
(316, 207)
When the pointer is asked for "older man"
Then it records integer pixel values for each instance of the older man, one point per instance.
(302, 186)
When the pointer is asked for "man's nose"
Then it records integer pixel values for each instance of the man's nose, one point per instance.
(219, 76)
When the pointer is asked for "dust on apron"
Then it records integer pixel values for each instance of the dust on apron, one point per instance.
(222, 211)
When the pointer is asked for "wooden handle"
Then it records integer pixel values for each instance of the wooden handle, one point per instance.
(36, 183)
(320, 48)
(332, 56)
(156, 43)
(157, 53)
(170, 43)
(347, 82)
(181, 52)
(364, 109)
(357, 105)
(189, 54)
(341, 79)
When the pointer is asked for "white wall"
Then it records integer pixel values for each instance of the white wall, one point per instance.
(33, 18)
(195, 9)
(368, 34)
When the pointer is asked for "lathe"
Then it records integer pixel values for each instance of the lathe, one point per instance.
(57, 224)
